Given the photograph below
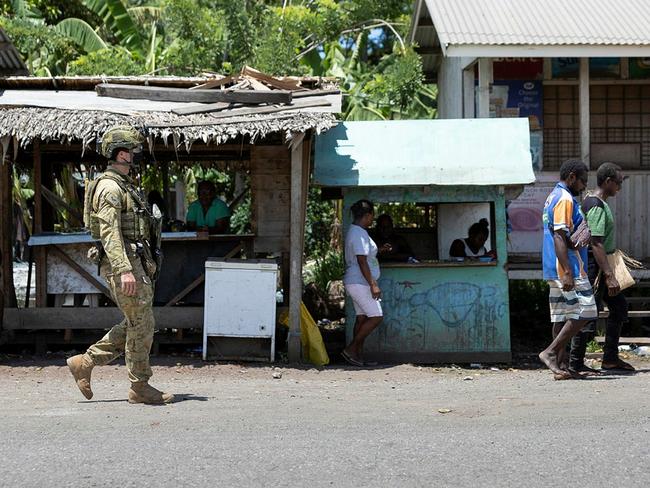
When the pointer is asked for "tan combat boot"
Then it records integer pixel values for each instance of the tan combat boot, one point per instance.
(143, 392)
(81, 367)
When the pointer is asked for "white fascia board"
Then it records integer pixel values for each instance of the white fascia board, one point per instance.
(469, 62)
(542, 51)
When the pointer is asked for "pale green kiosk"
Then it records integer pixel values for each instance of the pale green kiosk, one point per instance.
(438, 177)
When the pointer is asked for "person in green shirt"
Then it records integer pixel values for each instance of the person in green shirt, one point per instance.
(208, 212)
(603, 242)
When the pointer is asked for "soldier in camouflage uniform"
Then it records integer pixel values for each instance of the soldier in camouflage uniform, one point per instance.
(117, 214)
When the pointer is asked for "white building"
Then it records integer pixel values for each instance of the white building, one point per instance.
(578, 69)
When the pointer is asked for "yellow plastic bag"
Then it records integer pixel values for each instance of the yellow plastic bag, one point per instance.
(313, 347)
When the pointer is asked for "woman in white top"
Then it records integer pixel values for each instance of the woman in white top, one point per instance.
(473, 246)
(360, 280)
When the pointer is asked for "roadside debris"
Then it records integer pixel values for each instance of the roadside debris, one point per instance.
(247, 93)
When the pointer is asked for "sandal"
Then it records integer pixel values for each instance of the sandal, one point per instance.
(618, 364)
(585, 371)
(564, 375)
(351, 360)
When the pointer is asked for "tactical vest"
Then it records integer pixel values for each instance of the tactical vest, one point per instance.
(138, 224)
(136, 219)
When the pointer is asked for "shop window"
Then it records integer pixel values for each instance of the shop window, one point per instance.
(620, 124)
(429, 229)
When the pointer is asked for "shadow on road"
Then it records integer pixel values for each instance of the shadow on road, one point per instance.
(186, 397)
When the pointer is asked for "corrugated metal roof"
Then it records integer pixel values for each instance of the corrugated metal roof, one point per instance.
(474, 152)
(541, 23)
(10, 61)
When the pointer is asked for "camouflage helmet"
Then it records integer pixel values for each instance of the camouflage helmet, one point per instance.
(121, 137)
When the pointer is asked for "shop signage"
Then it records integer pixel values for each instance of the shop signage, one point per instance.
(518, 68)
(517, 98)
(598, 67)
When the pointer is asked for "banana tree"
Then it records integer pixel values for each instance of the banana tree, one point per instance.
(134, 29)
(391, 89)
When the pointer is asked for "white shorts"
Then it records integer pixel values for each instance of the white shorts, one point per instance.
(363, 302)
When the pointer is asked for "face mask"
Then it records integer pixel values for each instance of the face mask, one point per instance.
(136, 157)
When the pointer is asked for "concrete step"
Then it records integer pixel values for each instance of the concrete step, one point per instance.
(633, 314)
(645, 341)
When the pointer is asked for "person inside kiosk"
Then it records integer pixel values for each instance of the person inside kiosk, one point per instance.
(472, 247)
(209, 212)
(392, 246)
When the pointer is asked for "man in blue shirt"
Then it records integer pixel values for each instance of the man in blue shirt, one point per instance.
(571, 297)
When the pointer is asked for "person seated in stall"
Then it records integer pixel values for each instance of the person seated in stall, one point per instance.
(391, 246)
(208, 213)
(473, 246)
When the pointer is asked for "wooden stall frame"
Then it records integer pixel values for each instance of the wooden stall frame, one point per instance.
(6, 233)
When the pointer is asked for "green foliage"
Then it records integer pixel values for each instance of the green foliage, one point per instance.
(240, 221)
(393, 88)
(194, 38)
(281, 40)
(112, 61)
(48, 11)
(328, 267)
(396, 79)
(360, 42)
(119, 23)
(21, 193)
(408, 214)
(81, 34)
(320, 217)
(593, 346)
(45, 51)
(241, 18)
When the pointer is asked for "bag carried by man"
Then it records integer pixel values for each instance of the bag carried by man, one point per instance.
(620, 264)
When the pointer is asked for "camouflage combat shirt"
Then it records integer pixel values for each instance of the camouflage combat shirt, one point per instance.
(110, 203)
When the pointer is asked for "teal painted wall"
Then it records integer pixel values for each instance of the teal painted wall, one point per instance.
(444, 309)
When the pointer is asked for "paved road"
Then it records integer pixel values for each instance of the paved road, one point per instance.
(237, 426)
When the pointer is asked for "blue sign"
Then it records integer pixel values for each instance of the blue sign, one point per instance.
(517, 98)
(598, 67)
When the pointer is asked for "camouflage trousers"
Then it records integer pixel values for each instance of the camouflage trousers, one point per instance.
(133, 336)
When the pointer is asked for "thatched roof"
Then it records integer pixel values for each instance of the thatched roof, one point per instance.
(25, 124)
(27, 114)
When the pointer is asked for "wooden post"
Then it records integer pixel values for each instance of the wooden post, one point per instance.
(40, 252)
(484, 82)
(164, 169)
(296, 239)
(6, 234)
(585, 123)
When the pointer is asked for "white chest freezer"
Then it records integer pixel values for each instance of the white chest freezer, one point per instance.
(240, 303)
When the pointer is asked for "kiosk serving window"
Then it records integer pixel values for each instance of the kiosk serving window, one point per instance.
(429, 229)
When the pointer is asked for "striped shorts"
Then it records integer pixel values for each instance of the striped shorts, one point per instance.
(577, 304)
